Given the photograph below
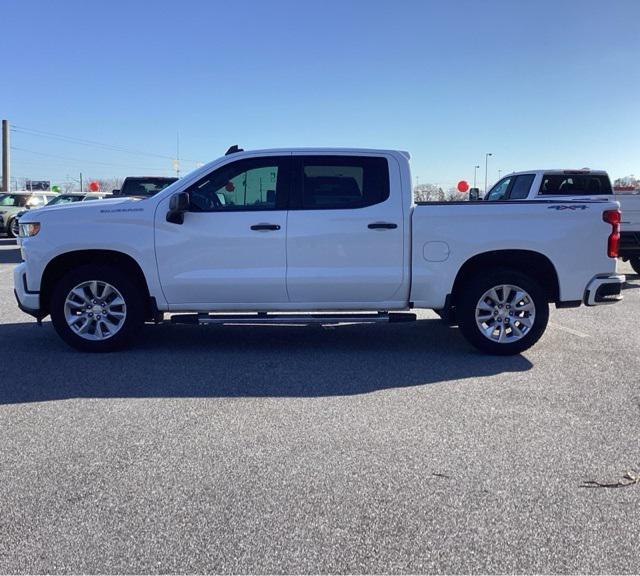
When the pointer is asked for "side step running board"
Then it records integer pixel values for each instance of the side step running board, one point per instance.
(295, 319)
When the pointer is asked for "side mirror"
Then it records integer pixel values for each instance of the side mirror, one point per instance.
(178, 205)
(115, 192)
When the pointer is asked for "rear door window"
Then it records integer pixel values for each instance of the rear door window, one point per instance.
(575, 184)
(341, 182)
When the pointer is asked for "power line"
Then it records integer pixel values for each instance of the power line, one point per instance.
(93, 143)
(82, 162)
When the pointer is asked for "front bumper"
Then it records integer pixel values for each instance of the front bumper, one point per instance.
(28, 301)
(604, 289)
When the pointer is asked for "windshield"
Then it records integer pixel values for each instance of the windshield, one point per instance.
(64, 199)
(16, 200)
(145, 186)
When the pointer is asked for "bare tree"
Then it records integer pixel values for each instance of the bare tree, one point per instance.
(428, 193)
(454, 195)
(68, 186)
(630, 182)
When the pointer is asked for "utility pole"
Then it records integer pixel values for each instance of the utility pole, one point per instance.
(177, 154)
(475, 171)
(5, 156)
(80, 181)
(486, 165)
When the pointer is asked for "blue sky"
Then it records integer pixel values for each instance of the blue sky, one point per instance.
(537, 83)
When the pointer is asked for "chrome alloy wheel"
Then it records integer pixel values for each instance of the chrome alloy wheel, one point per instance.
(505, 313)
(15, 227)
(95, 310)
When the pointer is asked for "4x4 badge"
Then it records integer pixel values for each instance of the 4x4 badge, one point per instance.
(569, 207)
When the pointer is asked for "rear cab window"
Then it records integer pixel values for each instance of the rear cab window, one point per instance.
(575, 184)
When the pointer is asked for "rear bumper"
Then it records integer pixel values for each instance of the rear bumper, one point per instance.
(28, 301)
(604, 289)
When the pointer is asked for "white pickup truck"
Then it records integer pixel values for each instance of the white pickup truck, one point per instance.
(298, 236)
(570, 185)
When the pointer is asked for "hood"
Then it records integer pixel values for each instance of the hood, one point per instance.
(79, 208)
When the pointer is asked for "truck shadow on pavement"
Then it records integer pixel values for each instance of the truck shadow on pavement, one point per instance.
(244, 361)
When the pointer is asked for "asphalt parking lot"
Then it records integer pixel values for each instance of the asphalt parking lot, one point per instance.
(351, 449)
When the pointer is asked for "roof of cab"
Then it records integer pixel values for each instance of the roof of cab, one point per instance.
(339, 151)
(559, 171)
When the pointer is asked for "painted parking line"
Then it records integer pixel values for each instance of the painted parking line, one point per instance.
(569, 330)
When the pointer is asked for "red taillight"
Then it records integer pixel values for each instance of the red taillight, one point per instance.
(613, 217)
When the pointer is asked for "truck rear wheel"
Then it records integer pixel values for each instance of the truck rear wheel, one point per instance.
(503, 312)
(96, 309)
(635, 263)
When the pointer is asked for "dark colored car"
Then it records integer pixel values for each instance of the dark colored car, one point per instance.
(143, 186)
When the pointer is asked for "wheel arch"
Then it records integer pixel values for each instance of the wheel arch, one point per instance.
(528, 262)
(64, 263)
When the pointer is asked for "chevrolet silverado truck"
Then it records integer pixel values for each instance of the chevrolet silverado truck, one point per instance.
(570, 185)
(298, 236)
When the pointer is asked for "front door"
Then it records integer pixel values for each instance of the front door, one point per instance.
(231, 248)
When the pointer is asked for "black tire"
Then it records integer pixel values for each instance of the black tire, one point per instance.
(470, 297)
(635, 263)
(10, 232)
(130, 292)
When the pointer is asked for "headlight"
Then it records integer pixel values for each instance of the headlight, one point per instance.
(29, 229)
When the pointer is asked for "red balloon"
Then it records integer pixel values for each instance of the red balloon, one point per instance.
(463, 186)
(94, 186)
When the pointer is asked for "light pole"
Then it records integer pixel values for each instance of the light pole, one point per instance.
(486, 165)
(475, 170)
(499, 172)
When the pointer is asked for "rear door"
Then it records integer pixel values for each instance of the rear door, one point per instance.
(345, 230)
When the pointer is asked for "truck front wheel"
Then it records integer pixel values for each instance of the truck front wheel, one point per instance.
(96, 308)
(503, 311)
